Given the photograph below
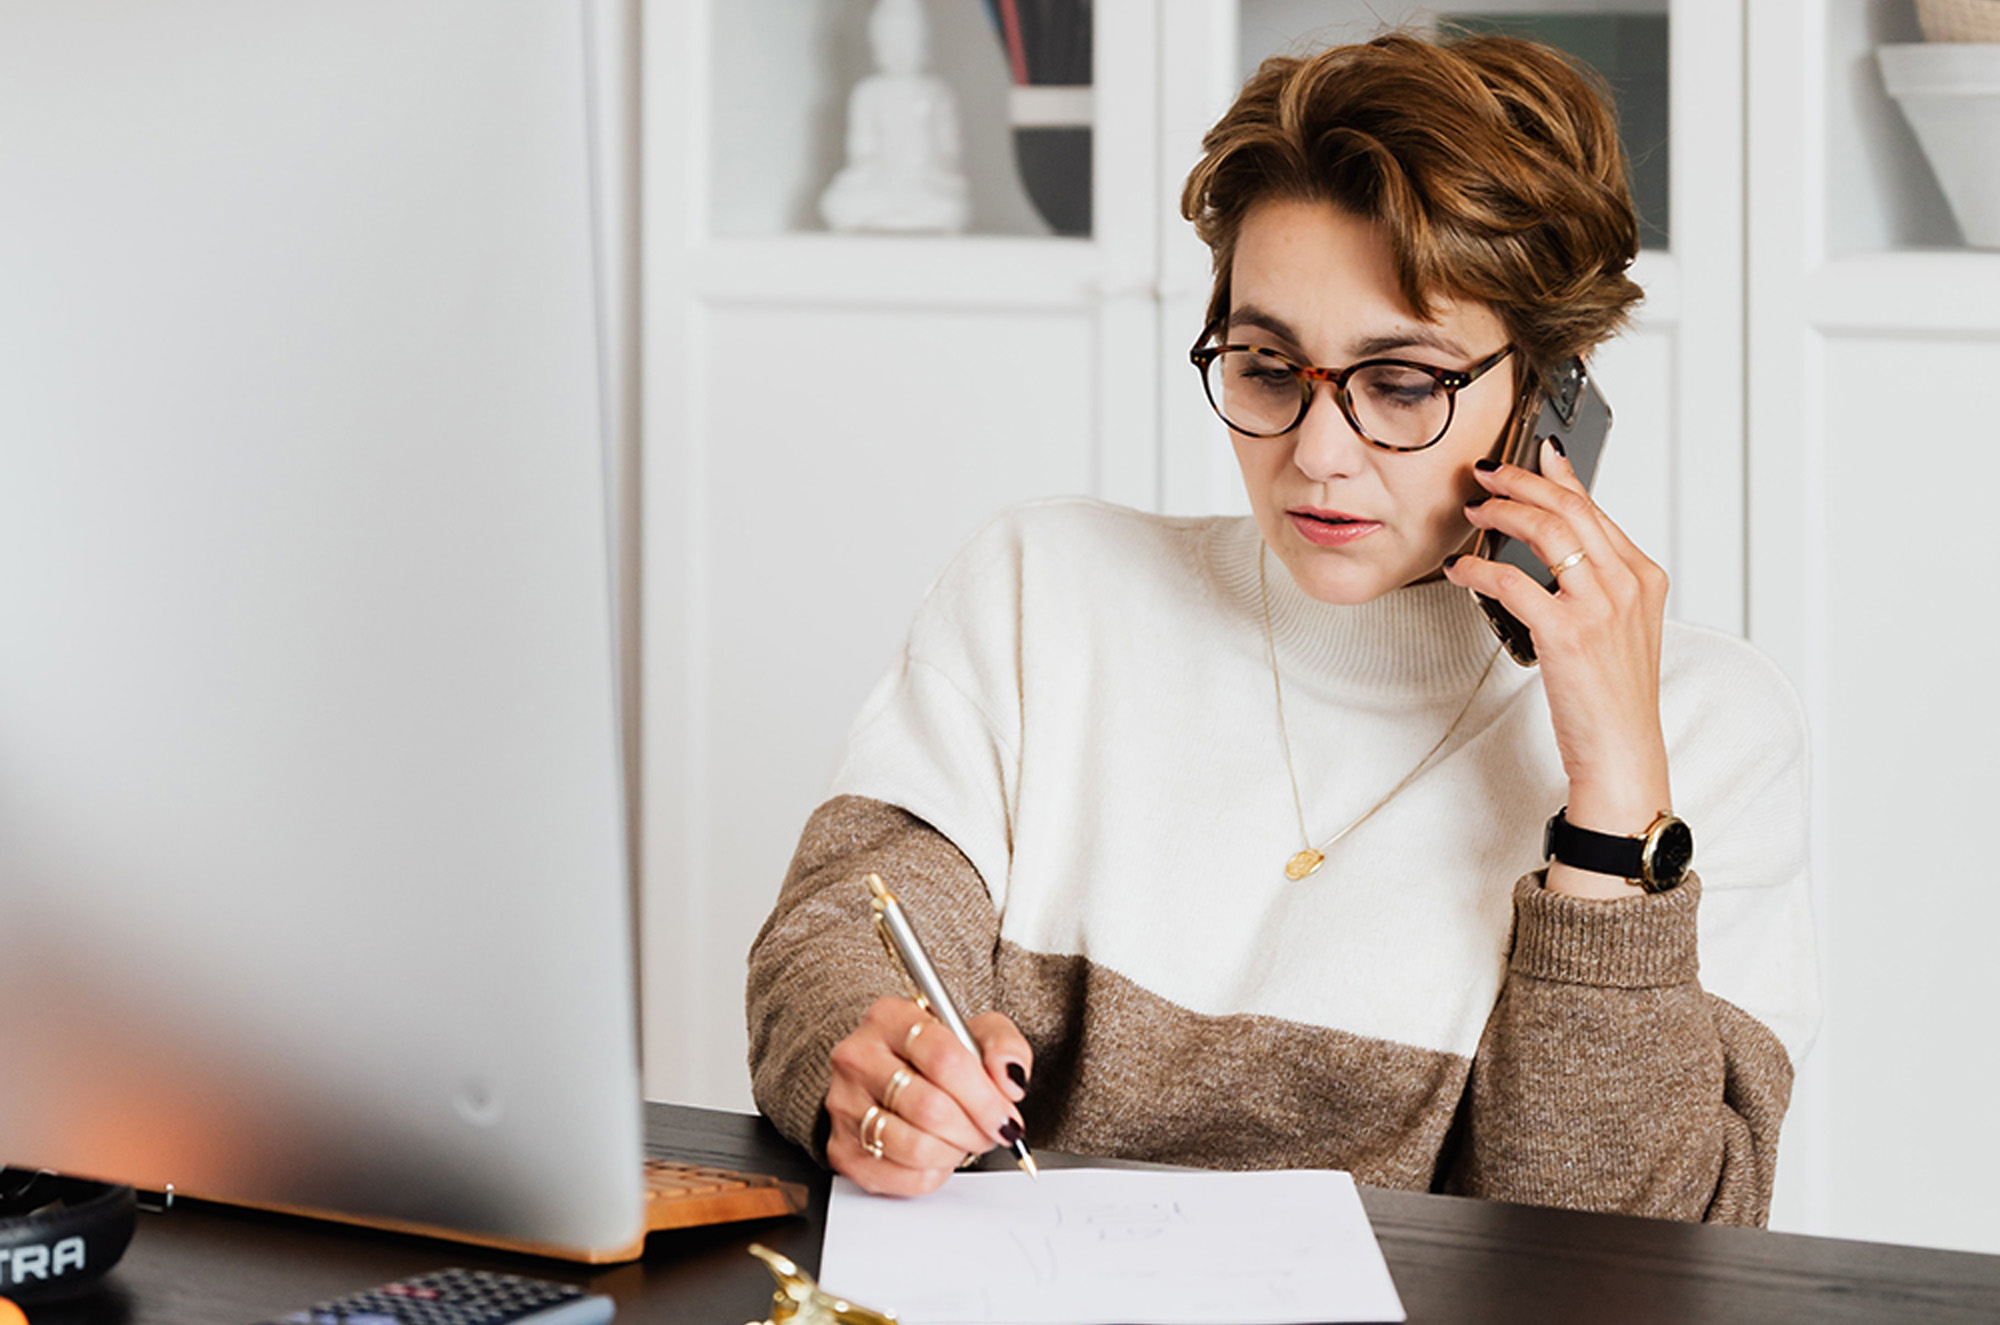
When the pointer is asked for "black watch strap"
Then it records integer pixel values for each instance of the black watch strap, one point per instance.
(1656, 861)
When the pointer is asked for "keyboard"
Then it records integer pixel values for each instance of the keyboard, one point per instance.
(683, 1195)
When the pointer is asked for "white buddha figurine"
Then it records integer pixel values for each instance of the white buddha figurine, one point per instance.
(902, 137)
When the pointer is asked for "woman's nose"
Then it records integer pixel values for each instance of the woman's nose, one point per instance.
(1325, 445)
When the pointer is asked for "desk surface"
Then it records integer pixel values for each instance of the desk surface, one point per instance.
(1453, 1260)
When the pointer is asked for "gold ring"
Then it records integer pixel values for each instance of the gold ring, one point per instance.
(1555, 571)
(911, 1038)
(897, 1084)
(878, 1120)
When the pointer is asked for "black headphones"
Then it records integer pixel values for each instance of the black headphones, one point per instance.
(58, 1235)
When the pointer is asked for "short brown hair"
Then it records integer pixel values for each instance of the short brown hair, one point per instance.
(1492, 164)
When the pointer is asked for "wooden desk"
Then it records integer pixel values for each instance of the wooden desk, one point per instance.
(1453, 1260)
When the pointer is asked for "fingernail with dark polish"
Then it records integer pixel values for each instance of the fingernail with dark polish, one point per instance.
(1017, 1075)
(1486, 465)
(1453, 560)
(1010, 1131)
(1480, 500)
(1555, 444)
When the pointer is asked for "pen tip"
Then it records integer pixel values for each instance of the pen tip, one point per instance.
(1028, 1165)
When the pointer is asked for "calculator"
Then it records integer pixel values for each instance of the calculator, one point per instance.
(460, 1297)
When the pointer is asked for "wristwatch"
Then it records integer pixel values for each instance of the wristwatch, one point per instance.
(1656, 861)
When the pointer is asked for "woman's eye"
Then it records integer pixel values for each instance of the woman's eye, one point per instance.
(1266, 375)
(1400, 388)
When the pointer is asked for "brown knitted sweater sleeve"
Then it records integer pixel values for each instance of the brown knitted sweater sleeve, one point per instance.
(1607, 1079)
(817, 965)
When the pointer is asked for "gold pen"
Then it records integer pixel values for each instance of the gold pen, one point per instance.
(900, 938)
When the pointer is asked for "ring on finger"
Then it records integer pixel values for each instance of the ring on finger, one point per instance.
(877, 1120)
(910, 1038)
(897, 1084)
(1555, 571)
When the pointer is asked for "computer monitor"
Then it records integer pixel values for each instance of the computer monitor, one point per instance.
(313, 870)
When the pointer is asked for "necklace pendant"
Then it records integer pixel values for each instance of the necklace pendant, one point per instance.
(1299, 866)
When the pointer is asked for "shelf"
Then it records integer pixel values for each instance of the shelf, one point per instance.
(1948, 292)
(971, 272)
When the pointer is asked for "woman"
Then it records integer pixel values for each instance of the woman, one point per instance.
(1234, 828)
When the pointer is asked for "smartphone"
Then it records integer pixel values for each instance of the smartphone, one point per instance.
(1572, 410)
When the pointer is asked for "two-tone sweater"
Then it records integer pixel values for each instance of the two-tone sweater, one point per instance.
(1076, 779)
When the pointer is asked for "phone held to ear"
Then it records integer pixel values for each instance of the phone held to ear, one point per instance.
(1573, 411)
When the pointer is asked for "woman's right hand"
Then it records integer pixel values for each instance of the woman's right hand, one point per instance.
(947, 1104)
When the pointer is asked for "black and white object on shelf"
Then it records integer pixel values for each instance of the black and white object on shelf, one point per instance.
(1050, 104)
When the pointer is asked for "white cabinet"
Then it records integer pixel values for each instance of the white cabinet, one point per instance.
(1874, 344)
(827, 418)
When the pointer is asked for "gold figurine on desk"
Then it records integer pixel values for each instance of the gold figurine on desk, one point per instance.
(800, 1301)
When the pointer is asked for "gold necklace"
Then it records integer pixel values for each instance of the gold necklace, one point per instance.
(1306, 861)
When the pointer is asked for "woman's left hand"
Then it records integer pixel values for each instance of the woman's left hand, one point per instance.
(1598, 639)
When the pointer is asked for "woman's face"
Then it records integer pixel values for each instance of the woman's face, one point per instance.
(1351, 521)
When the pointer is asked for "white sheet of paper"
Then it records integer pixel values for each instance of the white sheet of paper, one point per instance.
(1088, 1246)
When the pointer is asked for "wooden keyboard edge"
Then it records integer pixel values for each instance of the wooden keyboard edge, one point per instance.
(762, 1201)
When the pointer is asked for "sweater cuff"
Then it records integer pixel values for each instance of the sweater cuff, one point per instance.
(1639, 942)
(791, 1087)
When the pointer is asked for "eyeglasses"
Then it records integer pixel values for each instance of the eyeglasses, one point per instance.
(1392, 403)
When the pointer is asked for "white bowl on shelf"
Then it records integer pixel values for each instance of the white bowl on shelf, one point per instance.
(1950, 91)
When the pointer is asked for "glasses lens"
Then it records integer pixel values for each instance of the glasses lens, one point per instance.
(1254, 393)
(1398, 405)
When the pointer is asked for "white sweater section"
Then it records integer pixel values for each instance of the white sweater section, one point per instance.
(1085, 708)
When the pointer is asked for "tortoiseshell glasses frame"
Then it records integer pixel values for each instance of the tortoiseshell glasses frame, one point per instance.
(1406, 400)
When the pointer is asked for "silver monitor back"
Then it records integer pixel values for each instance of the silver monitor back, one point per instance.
(313, 880)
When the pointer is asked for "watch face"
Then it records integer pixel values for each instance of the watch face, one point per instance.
(1673, 852)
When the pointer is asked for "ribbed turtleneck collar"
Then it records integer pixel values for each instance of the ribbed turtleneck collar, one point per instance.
(1421, 641)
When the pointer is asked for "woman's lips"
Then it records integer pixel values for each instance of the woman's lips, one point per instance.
(1330, 528)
